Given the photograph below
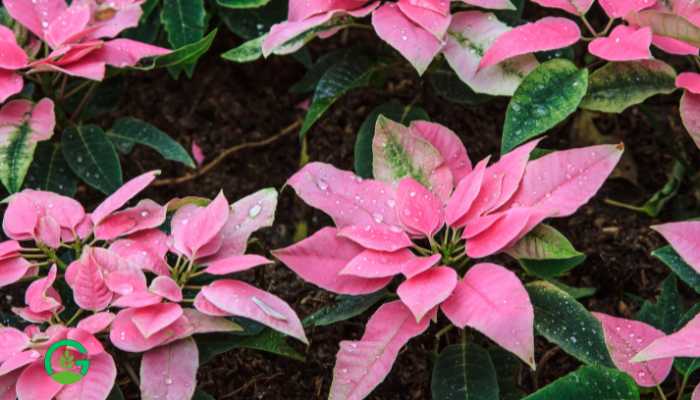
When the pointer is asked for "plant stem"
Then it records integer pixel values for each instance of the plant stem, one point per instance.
(83, 102)
(661, 392)
(589, 26)
(74, 317)
(684, 383)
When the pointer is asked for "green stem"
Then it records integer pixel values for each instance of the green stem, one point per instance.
(684, 383)
(589, 26)
(74, 317)
(661, 392)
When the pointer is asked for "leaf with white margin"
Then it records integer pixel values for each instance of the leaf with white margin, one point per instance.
(468, 37)
(170, 372)
(362, 365)
(397, 153)
(22, 125)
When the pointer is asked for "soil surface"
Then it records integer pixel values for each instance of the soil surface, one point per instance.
(227, 104)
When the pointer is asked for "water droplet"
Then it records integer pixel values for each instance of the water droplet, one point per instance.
(254, 211)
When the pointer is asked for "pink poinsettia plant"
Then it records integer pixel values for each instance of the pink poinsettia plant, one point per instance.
(493, 55)
(422, 219)
(130, 287)
(80, 40)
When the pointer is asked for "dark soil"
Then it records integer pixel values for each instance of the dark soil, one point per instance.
(228, 104)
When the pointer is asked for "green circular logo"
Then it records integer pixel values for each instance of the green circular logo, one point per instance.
(67, 362)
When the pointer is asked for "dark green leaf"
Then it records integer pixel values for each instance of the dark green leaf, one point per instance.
(5, 18)
(50, 171)
(589, 383)
(247, 52)
(575, 292)
(186, 55)
(104, 99)
(674, 261)
(242, 3)
(565, 322)
(512, 17)
(149, 25)
(345, 308)
(539, 103)
(126, 132)
(363, 144)
(337, 81)
(448, 86)
(565, 53)
(184, 21)
(116, 393)
(318, 69)
(252, 23)
(92, 157)
(507, 367)
(464, 371)
(268, 340)
(619, 85)
(667, 310)
(202, 395)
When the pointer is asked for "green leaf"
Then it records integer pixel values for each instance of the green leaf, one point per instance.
(202, 395)
(589, 383)
(16, 155)
(565, 322)
(105, 98)
(365, 135)
(464, 371)
(447, 85)
(184, 21)
(50, 172)
(242, 3)
(126, 132)
(186, 55)
(255, 22)
(318, 69)
(92, 157)
(544, 243)
(667, 310)
(575, 292)
(546, 253)
(347, 307)
(658, 200)
(507, 369)
(619, 85)
(666, 24)
(674, 261)
(5, 18)
(539, 103)
(116, 393)
(337, 81)
(268, 340)
(247, 52)
(149, 24)
(686, 366)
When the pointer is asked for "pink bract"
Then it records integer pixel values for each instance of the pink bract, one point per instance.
(623, 44)
(625, 338)
(549, 33)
